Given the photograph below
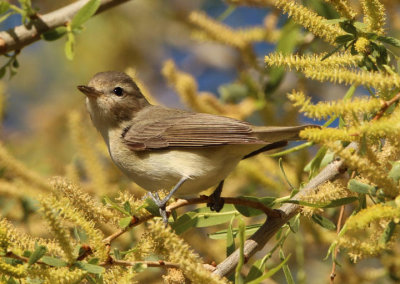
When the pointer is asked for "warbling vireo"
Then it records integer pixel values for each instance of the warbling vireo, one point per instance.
(165, 148)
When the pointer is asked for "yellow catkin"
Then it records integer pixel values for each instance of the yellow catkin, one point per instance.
(376, 80)
(343, 7)
(91, 208)
(310, 20)
(371, 214)
(256, 34)
(87, 153)
(19, 241)
(95, 236)
(17, 169)
(217, 30)
(62, 235)
(62, 275)
(375, 174)
(324, 110)
(374, 16)
(300, 62)
(176, 250)
(174, 276)
(186, 87)
(362, 45)
(329, 191)
(18, 271)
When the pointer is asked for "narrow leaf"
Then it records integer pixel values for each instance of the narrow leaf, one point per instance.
(238, 277)
(125, 222)
(39, 252)
(52, 261)
(203, 217)
(115, 205)
(270, 272)
(359, 187)
(387, 233)
(249, 230)
(390, 40)
(230, 241)
(91, 268)
(323, 222)
(286, 269)
(84, 14)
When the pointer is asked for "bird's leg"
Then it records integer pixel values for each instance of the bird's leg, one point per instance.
(216, 202)
(162, 203)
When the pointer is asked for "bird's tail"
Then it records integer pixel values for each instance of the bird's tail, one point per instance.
(272, 134)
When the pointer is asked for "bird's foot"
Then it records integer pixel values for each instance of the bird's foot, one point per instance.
(216, 202)
(161, 206)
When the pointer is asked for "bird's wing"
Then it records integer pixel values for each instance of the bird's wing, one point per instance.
(176, 128)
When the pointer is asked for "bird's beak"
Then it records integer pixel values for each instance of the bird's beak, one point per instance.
(89, 91)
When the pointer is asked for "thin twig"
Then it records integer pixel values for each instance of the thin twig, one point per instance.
(21, 36)
(159, 263)
(386, 105)
(335, 252)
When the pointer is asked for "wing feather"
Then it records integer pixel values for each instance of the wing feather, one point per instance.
(177, 128)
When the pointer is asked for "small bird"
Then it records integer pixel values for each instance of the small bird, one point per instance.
(177, 150)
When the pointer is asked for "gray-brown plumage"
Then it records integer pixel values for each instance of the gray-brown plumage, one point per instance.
(164, 148)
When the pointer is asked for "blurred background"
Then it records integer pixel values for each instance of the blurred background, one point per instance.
(43, 109)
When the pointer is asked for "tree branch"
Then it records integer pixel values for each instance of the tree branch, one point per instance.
(21, 36)
(260, 238)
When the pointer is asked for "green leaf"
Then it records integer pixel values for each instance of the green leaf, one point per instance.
(270, 272)
(284, 174)
(294, 224)
(230, 241)
(125, 222)
(359, 187)
(39, 252)
(115, 206)
(330, 204)
(249, 230)
(203, 217)
(91, 268)
(54, 34)
(127, 207)
(69, 46)
(344, 39)
(286, 269)
(314, 165)
(238, 277)
(249, 211)
(394, 173)
(52, 261)
(348, 27)
(389, 40)
(84, 14)
(387, 233)
(257, 268)
(152, 207)
(323, 222)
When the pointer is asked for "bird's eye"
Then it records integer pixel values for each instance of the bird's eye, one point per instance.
(118, 91)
